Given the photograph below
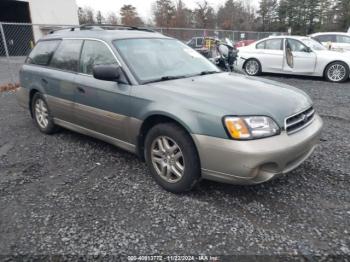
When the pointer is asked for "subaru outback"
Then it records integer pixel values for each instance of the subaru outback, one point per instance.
(158, 98)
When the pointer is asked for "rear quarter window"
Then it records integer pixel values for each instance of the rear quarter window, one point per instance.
(260, 45)
(66, 57)
(343, 39)
(42, 52)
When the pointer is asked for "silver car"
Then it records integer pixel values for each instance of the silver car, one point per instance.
(293, 55)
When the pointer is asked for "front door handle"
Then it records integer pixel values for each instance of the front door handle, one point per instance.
(81, 90)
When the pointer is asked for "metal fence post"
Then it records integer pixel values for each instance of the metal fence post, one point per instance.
(2, 32)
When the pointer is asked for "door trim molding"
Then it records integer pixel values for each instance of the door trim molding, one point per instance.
(82, 130)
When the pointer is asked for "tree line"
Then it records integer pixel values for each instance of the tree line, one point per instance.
(299, 16)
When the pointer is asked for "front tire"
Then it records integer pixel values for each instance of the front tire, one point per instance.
(41, 115)
(252, 67)
(172, 157)
(337, 72)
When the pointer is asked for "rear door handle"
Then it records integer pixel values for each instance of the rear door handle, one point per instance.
(81, 90)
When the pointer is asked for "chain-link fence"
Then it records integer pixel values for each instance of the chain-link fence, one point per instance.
(185, 34)
(18, 39)
(16, 42)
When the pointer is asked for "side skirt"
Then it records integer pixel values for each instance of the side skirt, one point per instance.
(82, 130)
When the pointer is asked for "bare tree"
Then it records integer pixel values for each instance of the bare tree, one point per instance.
(164, 13)
(183, 15)
(86, 15)
(268, 12)
(236, 15)
(129, 16)
(99, 17)
(204, 15)
(112, 18)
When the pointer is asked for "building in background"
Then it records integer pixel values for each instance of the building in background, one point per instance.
(46, 15)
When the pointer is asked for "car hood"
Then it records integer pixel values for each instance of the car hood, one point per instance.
(334, 55)
(233, 94)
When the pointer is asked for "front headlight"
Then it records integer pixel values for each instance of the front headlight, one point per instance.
(250, 127)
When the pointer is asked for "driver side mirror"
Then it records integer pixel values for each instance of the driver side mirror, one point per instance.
(308, 49)
(107, 72)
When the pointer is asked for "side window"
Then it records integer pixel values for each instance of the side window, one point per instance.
(295, 46)
(343, 39)
(274, 44)
(67, 55)
(260, 45)
(192, 43)
(325, 38)
(42, 52)
(94, 53)
(200, 41)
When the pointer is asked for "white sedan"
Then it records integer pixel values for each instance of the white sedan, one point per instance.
(334, 41)
(294, 55)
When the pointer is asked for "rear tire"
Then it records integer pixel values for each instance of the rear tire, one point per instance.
(252, 67)
(41, 115)
(172, 157)
(337, 72)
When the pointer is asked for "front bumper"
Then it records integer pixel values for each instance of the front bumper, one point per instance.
(238, 66)
(256, 161)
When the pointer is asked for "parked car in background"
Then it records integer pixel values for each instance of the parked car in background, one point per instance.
(169, 105)
(295, 55)
(334, 41)
(202, 44)
(244, 43)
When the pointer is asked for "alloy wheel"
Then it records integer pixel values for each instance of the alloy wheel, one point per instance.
(41, 113)
(336, 72)
(167, 159)
(252, 67)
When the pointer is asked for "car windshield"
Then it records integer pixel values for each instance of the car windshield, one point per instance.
(153, 59)
(314, 45)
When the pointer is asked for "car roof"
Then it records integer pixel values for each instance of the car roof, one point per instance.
(330, 33)
(105, 34)
(298, 37)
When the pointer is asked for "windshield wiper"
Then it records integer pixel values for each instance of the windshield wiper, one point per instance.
(165, 78)
(208, 72)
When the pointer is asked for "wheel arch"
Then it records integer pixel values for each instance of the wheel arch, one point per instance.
(334, 61)
(32, 92)
(253, 58)
(150, 121)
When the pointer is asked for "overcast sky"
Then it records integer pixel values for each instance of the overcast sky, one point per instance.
(144, 7)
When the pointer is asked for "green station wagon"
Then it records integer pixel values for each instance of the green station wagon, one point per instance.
(158, 98)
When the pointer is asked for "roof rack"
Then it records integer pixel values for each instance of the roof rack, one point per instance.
(103, 27)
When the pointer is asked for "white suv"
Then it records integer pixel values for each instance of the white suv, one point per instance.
(334, 41)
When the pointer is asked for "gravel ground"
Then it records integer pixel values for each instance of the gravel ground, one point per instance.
(69, 194)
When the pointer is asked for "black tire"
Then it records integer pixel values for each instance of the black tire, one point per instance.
(340, 64)
(191, 174)
(50, 128)
(249, 72)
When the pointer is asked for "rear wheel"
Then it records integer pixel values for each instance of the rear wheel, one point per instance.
(41, 115)
(252, 67)
(172, 157)
(337, 72)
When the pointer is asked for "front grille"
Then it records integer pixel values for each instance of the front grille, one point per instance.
(299, 121)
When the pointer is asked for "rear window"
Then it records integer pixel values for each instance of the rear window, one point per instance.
(42, 52)
(66, 56)
(343, 39)
(274, 44)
